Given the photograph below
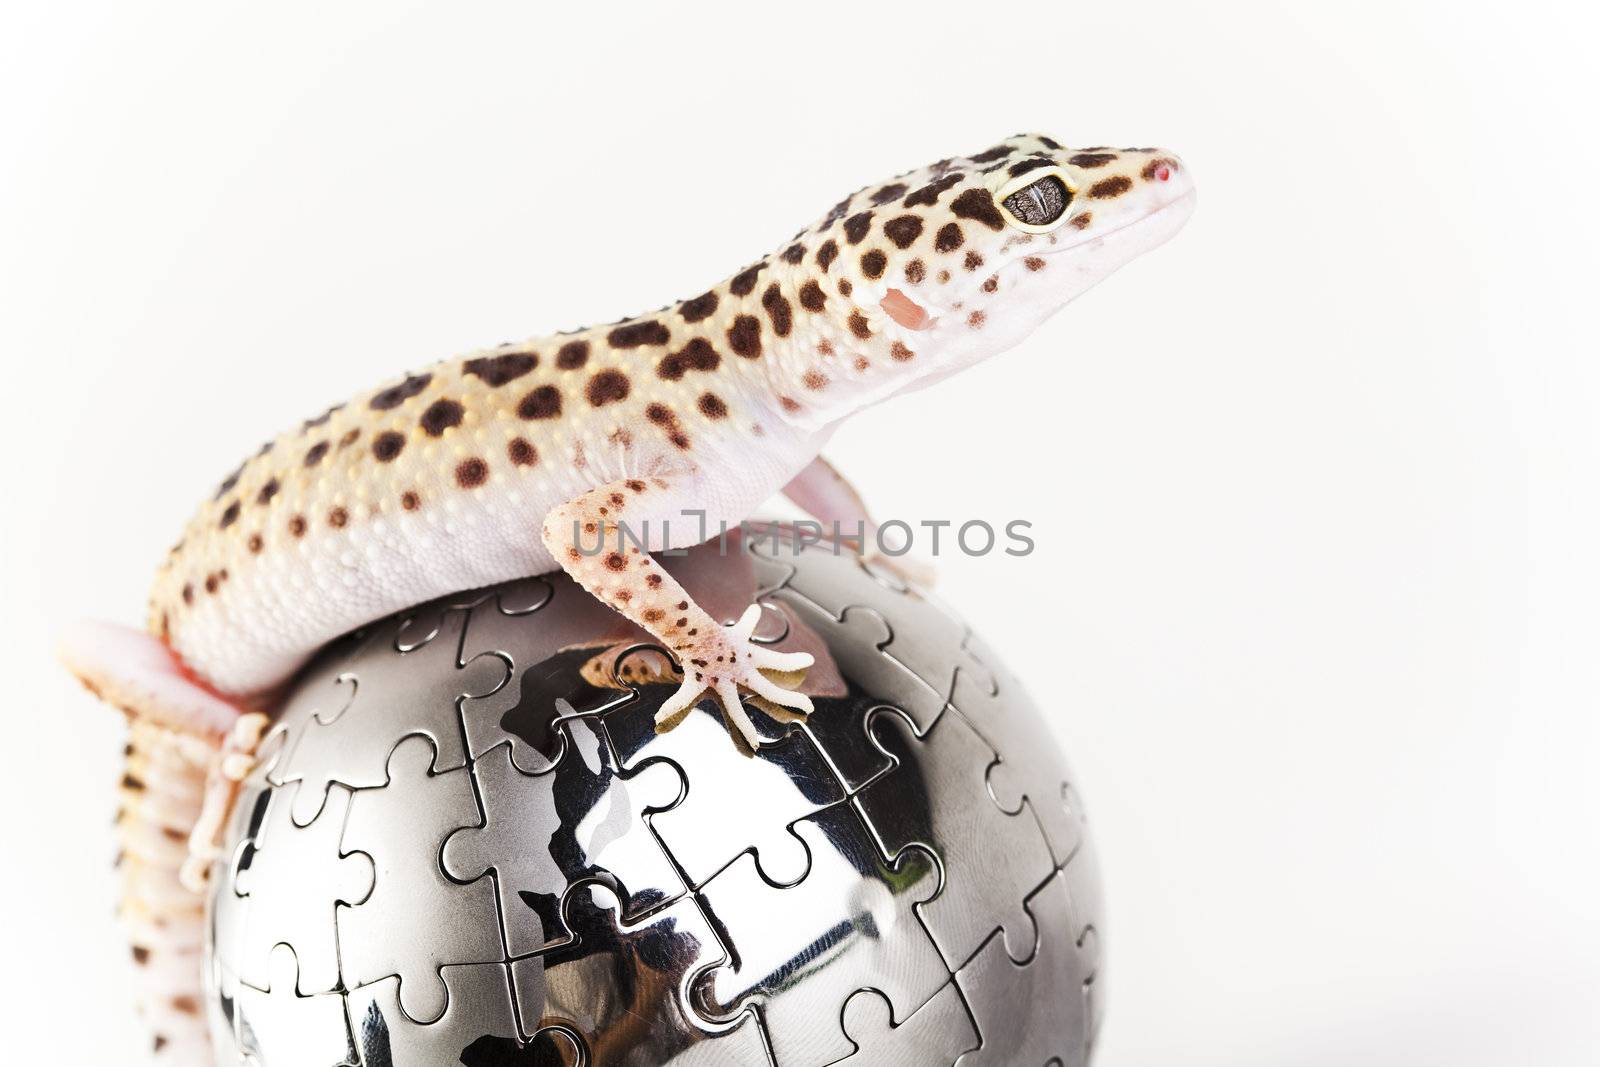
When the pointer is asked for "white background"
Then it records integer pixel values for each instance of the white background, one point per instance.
(1314, 486)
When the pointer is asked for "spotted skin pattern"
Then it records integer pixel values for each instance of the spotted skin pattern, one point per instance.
(513, 460)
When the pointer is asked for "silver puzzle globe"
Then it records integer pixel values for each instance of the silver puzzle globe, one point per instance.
(466, 843)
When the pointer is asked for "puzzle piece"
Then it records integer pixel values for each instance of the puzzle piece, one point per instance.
(525, 714)
(536, 644)
(837, 726)
(1032, 768)
(316, 695)
(416, 920)
(225, 911)
(938, 653)
(1047, 988)
(1085, 891)
(295, 878)
(1035, 768)
(624, 986)
(732, 802)
(476, 1010)
(936, 646)
(802, 951)
(937, 795)
(280, 1028)
(425, 622)
(580, 819)
(936, 1033)
(421, 698)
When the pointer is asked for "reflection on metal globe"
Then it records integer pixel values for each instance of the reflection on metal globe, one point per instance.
(465, 842)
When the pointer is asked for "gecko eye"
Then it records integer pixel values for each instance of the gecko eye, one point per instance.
(1037, 203)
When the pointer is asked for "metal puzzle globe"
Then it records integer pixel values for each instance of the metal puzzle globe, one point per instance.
(466, 843)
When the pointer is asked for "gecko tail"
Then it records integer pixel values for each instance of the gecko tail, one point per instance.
(137, 673)
(178, 731)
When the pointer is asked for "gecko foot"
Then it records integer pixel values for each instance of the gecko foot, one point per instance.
(722, 662)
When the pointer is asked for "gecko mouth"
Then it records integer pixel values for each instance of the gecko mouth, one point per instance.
(1173, 211)
(911, 315)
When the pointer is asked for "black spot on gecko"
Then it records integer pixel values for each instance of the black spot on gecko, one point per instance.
(607, 387)
(779, 310)
(268, 491)
(696, 355)
(744, 336)
(978, 205)
(889, 192)
(812, 298)
(744, 283)
(315, 453)
(827, 253)
(929, 194)
(701, 307)
(1091, 160)
(230, 515)
(387, 445)
(949, 237)
(572, 355)
(873, 263)
(856, 226)
(542, 403)
(903, 230)
(637, 334)
(498, 370)
(712, 406)
(521, 452)
(1024, 166)
(471, 473)
(1110, 188)
(440, 416)
(395, 395)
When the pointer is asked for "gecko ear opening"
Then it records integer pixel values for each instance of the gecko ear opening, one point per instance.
(906, 311)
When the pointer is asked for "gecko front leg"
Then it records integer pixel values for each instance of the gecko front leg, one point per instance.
(601, 539)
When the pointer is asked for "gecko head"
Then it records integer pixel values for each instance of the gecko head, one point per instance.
(944, 266)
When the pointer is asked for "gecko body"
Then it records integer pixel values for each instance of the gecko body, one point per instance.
(514, 460)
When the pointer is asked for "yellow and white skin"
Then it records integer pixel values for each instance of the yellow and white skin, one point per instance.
(512, 460)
